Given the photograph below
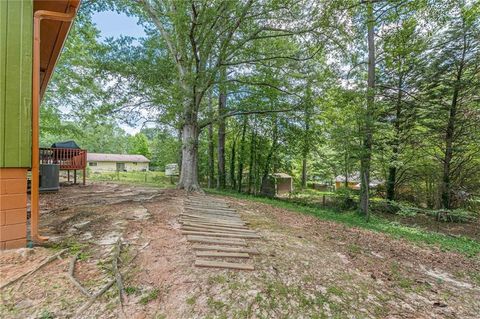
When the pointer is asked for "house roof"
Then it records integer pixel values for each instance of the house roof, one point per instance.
(353, 178)
(281, 175)
(52, 35)
(99, 157)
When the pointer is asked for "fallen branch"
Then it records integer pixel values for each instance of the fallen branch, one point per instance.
(118, 276)
(31, 272)
(117, 279)
(79, 313)
(72, 278)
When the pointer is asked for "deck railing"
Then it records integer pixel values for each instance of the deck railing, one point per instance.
(67, 158)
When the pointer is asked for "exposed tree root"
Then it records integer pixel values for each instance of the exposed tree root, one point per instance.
(71, 276)
(118, 276)
(31, 272)
(117, 279)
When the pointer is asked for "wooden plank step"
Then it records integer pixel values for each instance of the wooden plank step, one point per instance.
(196, 222)
(207, 253)
(205, 203)
(215, 229)
(222, 264)
(250, 251)
(210, 214)
(221, 235)
(216, 240)
(207, 222)
(215, 218)
(209, 207)
(212, 220)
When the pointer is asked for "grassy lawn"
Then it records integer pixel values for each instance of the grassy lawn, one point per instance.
(466, 246)
(156, 179)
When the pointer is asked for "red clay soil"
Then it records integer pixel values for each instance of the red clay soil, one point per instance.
(307, 268)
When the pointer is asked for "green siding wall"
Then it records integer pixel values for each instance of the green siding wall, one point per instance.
(16, 40)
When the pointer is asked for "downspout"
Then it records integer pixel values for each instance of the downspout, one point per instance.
(34, 202)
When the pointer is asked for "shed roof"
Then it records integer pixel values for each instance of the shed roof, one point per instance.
(99, 157)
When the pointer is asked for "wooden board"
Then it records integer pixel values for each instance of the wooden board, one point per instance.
(187, 221)
(214, 229)
(212, 208)
(222, 235)
(197, 222)
(207, 253)
(216, 240)
(222, 264)
(226, 248)
(211, 222)
(215, 219)
(211, 212)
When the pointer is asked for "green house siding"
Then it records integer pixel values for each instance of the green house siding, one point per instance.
(16, 40)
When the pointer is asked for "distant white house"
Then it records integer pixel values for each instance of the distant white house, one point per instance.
(98, 162)
(354, 181)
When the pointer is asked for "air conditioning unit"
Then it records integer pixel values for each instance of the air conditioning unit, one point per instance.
(49, 177)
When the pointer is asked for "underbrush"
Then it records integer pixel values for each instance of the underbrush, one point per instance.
(464, 245)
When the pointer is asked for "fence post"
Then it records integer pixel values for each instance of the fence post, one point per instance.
(323, 200)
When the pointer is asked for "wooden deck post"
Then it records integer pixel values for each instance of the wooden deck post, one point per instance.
(75, 177)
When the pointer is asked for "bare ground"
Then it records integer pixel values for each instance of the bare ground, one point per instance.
(307, 268)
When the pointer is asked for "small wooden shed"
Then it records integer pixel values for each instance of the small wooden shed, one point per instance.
(278, 184)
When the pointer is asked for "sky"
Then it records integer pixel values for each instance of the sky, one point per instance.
(113, 24)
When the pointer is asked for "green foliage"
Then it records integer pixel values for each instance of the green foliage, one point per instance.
(466, 246)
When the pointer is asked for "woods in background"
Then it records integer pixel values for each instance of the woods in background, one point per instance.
(237, 90)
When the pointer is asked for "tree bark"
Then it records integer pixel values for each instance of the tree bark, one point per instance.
(392, 170)
(211, 160)
(450, 133)
(241, 158)
(368, 126)
(222, 104)
(251, 165)
(233, 181)
(189, 173)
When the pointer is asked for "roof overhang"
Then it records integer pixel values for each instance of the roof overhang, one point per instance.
(52, 36)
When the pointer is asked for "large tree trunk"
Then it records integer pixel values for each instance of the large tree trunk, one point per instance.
(392, 170)
(222, 105)
(241, 158)
(450, 133)
(233, 181)
(251, 165)
(304, 171)
(211, 160)
(368, 126)
(189, 173)
(271, 153)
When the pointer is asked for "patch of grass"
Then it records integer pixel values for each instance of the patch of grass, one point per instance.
(337, 291)
(400, 279)
(216, 305)
(46, 314)
(467, 246)
(191, 300)
(130, 290)
(151, 295)
(354, 249)
(217, 279)
(152, 178)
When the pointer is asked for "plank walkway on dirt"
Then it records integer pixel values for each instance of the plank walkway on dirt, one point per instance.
(220, 236)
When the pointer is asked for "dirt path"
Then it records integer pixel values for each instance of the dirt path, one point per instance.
(306, 268)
